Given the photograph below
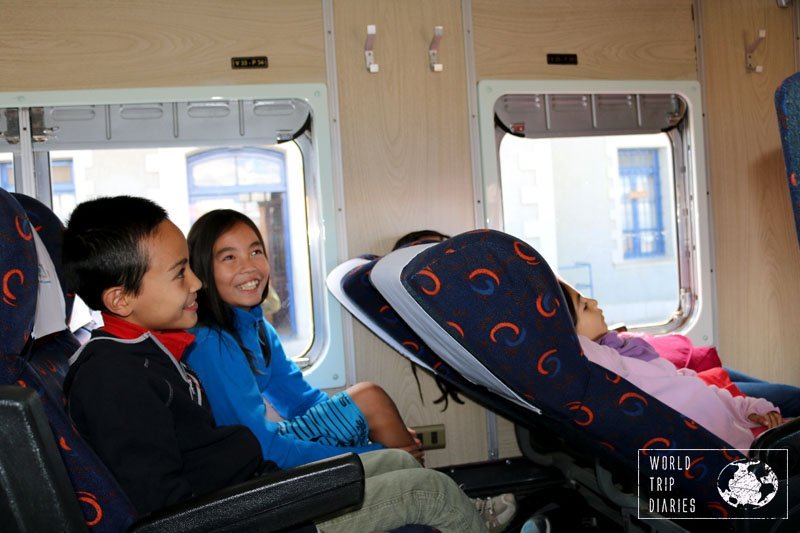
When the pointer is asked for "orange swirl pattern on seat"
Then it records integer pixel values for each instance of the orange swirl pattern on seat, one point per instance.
(578, 406)
(91, 500)
(8, 294)
(638, 406)
(437, 285)
(23, 223)
(542, 311)
(456, 327)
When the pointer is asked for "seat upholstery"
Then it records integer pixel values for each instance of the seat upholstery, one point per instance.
(50, 357)
(18, 268)
(494, 300)
(51, 231)
(787, 105)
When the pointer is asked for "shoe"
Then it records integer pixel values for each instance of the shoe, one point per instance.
(536, 524)
(496, 511)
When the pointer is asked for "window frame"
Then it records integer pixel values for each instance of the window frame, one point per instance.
(695, 261)
(325, 222)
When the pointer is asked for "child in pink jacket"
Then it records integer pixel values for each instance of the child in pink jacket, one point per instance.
(730, 418)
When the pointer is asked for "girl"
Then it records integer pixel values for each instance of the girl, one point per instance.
(730, 418)
(241, 362)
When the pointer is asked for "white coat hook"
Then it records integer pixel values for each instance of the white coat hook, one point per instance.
(433, 50)
(372, 66)
(748, 52)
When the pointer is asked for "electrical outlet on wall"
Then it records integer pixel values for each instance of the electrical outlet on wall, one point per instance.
(432, 436)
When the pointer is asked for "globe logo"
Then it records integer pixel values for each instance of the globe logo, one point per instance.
(747, 483)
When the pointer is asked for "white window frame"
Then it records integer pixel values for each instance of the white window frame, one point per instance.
(328, 371)
(700, 325)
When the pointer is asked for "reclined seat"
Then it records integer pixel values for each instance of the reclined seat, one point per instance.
(49, 477)
(491, 308)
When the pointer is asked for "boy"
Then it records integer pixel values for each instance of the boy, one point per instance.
(145, 414)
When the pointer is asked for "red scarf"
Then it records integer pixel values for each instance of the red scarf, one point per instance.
(176, 341)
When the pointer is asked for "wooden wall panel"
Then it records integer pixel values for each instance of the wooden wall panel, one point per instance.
(406, 167)
(76, 44)
(757, 255)
(614, 39)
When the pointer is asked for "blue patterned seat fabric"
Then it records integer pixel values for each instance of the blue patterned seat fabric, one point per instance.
(497, 298)
(104, 505)
(787, 105)
(19, 275)
(357, 285)
(50, 357)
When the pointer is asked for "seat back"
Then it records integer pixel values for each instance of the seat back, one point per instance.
(490, 306)
(787, 105)
(50, 357)
(103, 506)
(351, 285)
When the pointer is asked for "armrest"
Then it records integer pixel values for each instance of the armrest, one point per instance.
(784, 437)
(276, 500)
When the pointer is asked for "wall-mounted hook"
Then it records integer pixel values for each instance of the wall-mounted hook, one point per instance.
(433, 50)
(748, 52)
(372, 66)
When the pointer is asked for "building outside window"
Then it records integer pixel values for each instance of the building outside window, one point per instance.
(7, 175)
(643, 220)
(62, 181)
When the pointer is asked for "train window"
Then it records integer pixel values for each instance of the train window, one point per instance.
(608, 187)
(6, 172)
(257, 156)
(7, 157)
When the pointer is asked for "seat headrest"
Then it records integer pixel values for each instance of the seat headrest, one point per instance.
(489, 294)
(18, 275)
(51, 231)
(350, 285)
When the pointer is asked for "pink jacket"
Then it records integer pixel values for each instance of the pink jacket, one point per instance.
(713, 408)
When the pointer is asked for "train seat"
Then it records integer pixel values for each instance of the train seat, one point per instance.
(524, 354)
(51, 479)
(787, 105)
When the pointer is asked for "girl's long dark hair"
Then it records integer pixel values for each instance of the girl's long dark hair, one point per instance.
(570, 304)
(212, 311)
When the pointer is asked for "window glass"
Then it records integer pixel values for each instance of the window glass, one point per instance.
(264, 182)
(7, 172)
(601, 209)
(63, 186)
(193, 150)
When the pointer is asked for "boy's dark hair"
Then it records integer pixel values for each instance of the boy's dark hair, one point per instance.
(570, 303)
(212, 311)
(419, 237)
(103, 245)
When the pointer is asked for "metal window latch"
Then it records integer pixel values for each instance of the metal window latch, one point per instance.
(11, 135)
(39, 132)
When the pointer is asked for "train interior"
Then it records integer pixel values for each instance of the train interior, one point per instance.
(644, 155)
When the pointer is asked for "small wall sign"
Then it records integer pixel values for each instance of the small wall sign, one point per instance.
(562, 59)
(249, 62)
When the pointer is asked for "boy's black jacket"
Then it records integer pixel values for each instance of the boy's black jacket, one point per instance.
(144, 414)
